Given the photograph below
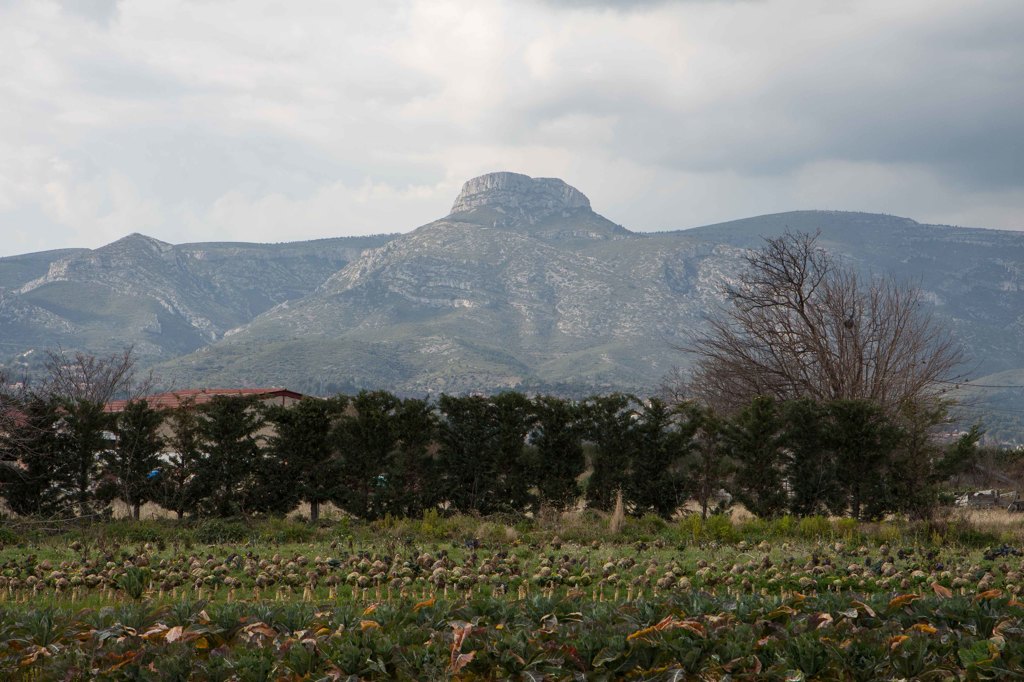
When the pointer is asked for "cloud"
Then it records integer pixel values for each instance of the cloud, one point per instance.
(102, 12)
(624, 5)
(275, 121)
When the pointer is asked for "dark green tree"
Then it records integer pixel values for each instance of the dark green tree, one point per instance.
(864, 440)
(482, 444)
(708, 465)
(812, 475)
(179, 487)
(33, 481)
(657, 478)
(917, 466)
(412, 480)
(230, 467)
(305, 449)
(610, 424)
(365, 436)
(512, 417)
(130, 468)
(755, 439)
(86, 433)
(557, 439)
(467, 439)
(960, 456)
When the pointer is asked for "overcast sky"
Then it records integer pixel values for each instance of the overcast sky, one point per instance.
(275, 121)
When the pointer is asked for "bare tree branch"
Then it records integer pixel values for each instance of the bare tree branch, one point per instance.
(801, 325)
(96, 379)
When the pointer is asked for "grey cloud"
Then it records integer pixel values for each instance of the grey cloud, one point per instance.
(249, 112)
(102, 12)
(943, 98)
(630, 5)
(192, 166)
(110, 76)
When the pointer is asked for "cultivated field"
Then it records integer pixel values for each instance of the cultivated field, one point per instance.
(552, 598)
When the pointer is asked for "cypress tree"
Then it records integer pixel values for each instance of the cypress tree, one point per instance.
(34, 482)
(85, 433)
(467, 439)
(229, 468)
(131, 467)
(482, 457)
(755, 439)
(179, 487)
(610, 425)
(657, 473)
(708, 464)
(558, 459)
(365, 437)
(812, 475)
(412, 479)
(305, 451)
(864, 440)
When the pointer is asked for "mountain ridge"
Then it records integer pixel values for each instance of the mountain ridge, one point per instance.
(522, 286)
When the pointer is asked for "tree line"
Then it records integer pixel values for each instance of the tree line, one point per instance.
(815, 389)
(376, 454)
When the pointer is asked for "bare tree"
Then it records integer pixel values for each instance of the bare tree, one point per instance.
(803, 325)
(11, 419)
(83, 377)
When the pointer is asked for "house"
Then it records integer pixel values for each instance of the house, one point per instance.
(198, 396)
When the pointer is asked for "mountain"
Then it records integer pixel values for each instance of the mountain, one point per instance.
(522, 285)
(164, 300)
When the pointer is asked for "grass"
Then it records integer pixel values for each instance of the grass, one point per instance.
(967, 528)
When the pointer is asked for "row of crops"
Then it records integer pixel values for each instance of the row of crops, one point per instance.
(559, 611)
(676, 635)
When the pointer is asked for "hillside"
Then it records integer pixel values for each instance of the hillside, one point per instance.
(164, 300)
(522, 285)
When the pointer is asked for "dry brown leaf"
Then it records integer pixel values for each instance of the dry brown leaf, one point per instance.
(989, 594)
(424, 604)
(897, 640)
(460, 661)
(902, 600)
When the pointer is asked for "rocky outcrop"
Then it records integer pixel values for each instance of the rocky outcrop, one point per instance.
(519, 197)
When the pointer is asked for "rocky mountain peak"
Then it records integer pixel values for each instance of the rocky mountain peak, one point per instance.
(516, 196)
(139, 240)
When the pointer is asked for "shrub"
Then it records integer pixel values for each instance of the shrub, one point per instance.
(432, 525)
(284, 531)
(216, 531)
(645, 528)
(848, 529)
(719, 527)
(135, 531)
(691, 527)
(783, 526)
(8, 537)
(756, 529)
(814, 527)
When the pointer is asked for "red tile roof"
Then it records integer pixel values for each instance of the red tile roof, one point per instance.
(172, 399)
